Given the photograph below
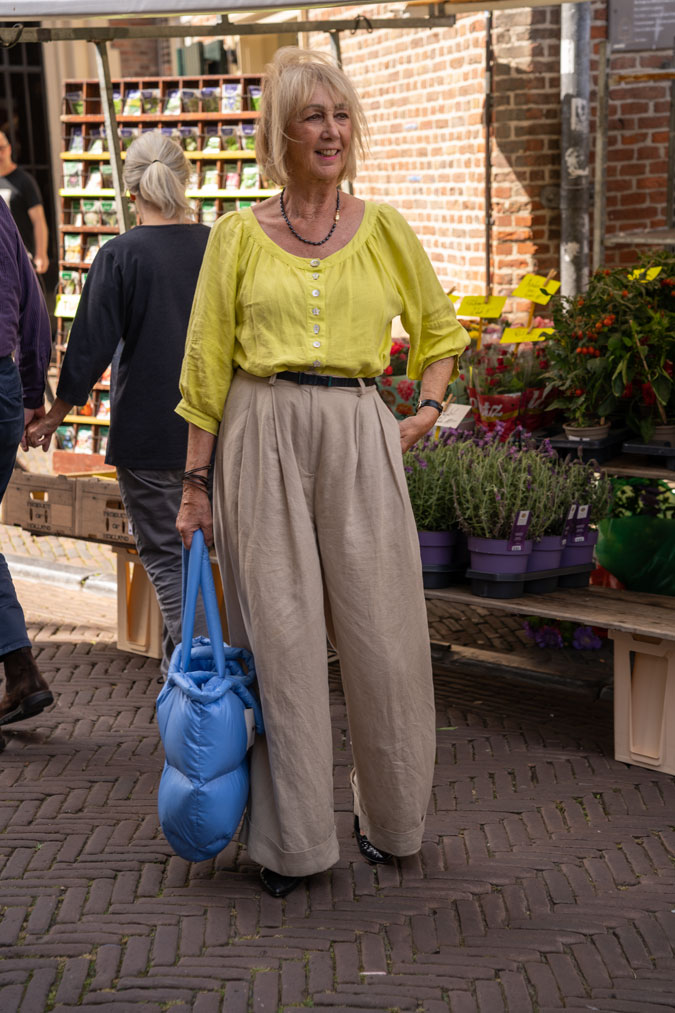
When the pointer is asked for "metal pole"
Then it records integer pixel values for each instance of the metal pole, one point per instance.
(488, 153)
(110, 120)
(670, 193)
(600, 188)
(336, 50)
(575, 45)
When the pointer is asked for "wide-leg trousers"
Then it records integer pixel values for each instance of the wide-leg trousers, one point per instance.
(314, 532)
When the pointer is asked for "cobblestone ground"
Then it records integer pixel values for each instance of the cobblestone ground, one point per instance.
(545, 882)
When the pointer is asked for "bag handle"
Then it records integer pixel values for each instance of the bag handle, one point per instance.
(197, 574)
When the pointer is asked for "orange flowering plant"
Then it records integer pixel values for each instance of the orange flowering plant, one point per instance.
(613, 349)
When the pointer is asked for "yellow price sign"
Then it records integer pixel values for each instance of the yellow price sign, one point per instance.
(536, 288)
(516, 335)
(454, 299)
(484, 306)
(651, 273)
(66, 305)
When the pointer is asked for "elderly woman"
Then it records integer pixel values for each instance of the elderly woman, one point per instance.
(312, 522)
(137, 296)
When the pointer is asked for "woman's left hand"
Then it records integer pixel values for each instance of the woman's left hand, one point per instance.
(415, 427)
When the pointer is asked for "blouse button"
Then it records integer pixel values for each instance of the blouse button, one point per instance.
(315, 311)
(316, 276)
(316, 292)
(314, 263)
(316, 363)
(317, 344)
(316, 328)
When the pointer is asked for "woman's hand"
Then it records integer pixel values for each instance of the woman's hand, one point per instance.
(415, 427)
(195, 513)
(41, 429)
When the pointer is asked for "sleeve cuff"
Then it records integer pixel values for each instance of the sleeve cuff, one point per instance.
(197, 418)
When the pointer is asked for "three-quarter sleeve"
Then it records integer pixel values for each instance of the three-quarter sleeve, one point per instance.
(428, 315)
(97, 330)
(208, 366)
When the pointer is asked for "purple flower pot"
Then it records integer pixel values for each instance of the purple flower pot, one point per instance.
(438, 548)
(546, 554)
(493, 555)
(577, 552)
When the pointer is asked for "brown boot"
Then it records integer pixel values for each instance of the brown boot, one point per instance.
(26, 692)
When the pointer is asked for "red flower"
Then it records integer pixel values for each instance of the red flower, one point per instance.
(388, 370)
(489, 371)
(406, 389)
(648, 395)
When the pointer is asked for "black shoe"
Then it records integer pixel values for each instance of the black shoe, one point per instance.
(368, 850)
(278, 885)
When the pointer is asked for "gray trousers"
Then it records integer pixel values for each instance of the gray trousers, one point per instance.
(315, 532)
(152, 499)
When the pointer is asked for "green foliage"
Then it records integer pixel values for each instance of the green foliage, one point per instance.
(642, 496)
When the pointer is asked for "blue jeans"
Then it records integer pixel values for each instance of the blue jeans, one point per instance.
(13, 633)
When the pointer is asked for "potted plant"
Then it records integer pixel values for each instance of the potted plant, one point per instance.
(636, 540)
(396, 390)
(589, 495)
(431, 470)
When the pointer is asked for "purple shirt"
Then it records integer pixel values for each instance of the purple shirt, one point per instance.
(24, 321)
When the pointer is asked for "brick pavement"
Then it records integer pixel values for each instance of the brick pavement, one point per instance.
(545, 882)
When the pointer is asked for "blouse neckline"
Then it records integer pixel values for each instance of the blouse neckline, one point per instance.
(357, 240)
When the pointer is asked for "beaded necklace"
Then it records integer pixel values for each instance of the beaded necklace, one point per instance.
(311, 242)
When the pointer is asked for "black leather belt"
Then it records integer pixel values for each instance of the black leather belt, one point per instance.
(314, 380)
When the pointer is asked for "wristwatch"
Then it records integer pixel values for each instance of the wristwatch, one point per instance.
(430, 401)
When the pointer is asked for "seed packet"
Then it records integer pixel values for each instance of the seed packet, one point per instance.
(104, 380)
(190, 100)
(98, 142)
(232, 181)
(227, 206)
(65, 437)
(211, 139)
(127, 135)
(248, 136)
(69, 282)
(231, 98)
(245, 204)
(73, 175)
(230, 138)
(94, 179)
(133, 103)
(210, 178)
(76, 141)
(90, 249)
(103, 410)
(108, 212)
(72, 247)
(103, 239)
(210, 100)
(193, 180)
(84, 440)
(172, 103)
(103, 439)
(117, 100)
(75, 102)
(106, 175)
(209, 214)
(254, 93)
(249, 177)
(189, 138)
(150, 100)
(91, 212)
(171, 132)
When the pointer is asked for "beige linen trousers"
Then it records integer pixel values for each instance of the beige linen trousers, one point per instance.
(314, 533)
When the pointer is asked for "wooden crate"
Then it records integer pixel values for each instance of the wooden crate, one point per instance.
(644, 701)
(139, 620)
(40, 503)
(99, 512)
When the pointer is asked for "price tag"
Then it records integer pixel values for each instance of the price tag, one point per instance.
(519, 531)
(651, 273)
(454, 299)
(581, 522)
(487, 307)
(453, 415)
(569, 523)
(516, 335)
(66, 305)
(536, 288)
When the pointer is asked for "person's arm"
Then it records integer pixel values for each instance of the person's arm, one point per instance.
(41, 236)
(195, 507)
(435, 380)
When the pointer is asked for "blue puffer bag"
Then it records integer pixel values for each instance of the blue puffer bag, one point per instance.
(206, 716)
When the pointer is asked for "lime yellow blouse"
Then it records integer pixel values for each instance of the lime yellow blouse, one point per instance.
(265, 310)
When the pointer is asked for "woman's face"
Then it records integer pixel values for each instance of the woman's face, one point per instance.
(320, 136)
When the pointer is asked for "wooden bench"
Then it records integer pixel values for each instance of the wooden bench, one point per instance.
(642, 627)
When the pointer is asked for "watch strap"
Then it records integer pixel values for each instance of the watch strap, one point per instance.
(428, 401)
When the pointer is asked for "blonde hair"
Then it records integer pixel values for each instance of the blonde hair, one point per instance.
(157, 171)
(289, 82)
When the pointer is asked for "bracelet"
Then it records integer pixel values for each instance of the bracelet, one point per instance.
(196, 485)
(193, 471)
(429, 402)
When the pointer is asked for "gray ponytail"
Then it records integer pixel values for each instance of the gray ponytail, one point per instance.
(157, 171)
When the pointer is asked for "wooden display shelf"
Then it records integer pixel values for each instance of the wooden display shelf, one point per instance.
(233, 194)
(635, 466)
(85, 420)
(104, 229)
(193, 156)
(127, 119)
